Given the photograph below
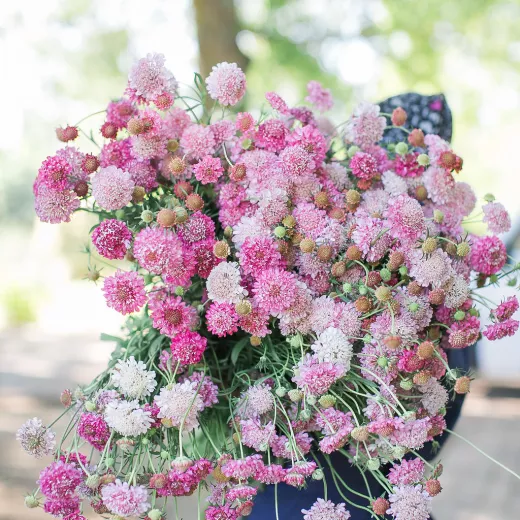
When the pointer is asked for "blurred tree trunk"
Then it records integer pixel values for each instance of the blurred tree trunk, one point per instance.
(217, 28)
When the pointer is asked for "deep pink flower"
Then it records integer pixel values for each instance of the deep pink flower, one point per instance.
(222, 319)
(208, 170)
(501, 330)
(124, 291)
(157, 249)
(221, 513)
(171, 315)
(112, 239)
(488, 255)
(271, 135)
(363, 166)
(506, 309)
(188, 347)
(54, 173)
(197, 228)
(93, 428)
(407, 165)
(59, 480)
(257, 254)
(61, 507)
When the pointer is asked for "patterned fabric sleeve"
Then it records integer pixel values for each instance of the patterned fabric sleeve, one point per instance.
(429, 113)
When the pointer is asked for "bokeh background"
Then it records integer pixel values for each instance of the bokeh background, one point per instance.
(64, 59)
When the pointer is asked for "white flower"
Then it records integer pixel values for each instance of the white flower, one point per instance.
(127, 418)
(394, 185)
(181, 404)
(35, 438)
(334, 346)
(132, 378)
(223, 283)
(248, 227)
(457, 292)
(435, 396)
(257, 400)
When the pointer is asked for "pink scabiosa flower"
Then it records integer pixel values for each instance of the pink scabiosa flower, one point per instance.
(255, 435)
(271, 474)
(61, 507)
(506, 309)
(488, 255)
(223, 130)
(198, 141)
(76, 515)
(405, 218)
(55, 206)
(271, 135)
(171, 315)
(372, 237)
(54, 173)
(433, 270)
(312, 140)
(277, 102)
(243, 468)
(366, 126)
(439, 184)
(411, 434)
(410, 503)
(257, 254)
(501, 329)
(208, 170)
(256, 323)
(120, 112)
(223, 284)
(36, 439)
(112, 239)
(181, 404)
(363, 166)
(225, 512)
(222, 319)
(296, 161)
(197, 228)
(124, 500)
(406, 472)
(245, 122)
(315, 377)
(156, 249)
(149, 79)
(226, 83)
(326, 510)
(274, 290)
(407, 165)
(207, 389)
(175, 122)
(93, 428)
(124, 291)
(60, 480)
(320, 97)
(112, 188)
(117, 153)
(188, 347)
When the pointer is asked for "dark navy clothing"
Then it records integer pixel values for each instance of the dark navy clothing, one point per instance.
(432, 115)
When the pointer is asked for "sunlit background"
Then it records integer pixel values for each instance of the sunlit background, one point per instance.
(64, 59)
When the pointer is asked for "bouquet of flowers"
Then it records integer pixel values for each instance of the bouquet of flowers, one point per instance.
(292, 289)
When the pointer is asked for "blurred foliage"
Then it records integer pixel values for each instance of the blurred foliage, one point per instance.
(19, 306)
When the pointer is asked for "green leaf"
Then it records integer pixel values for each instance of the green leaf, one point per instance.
(108, 337)
(238, 347)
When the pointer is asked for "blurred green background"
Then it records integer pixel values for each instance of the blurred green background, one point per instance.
(63, 59)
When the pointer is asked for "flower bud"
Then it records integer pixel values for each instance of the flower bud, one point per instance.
(380, 506)
(194, 202)
(307, 245)
(373, 464)
(327, 401)
(416, 138)
(429, 245)
(147, 216)
(155, 514)
(317, 474)
(166, 218)
(90, 406)
(352, 150)
(360, 433)
(295, 395)
(255, 341)
(399, 116)
(181, 464)
(462, 385)
(243, 307)
(31, 501)
(221, 249)
(401, 148)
